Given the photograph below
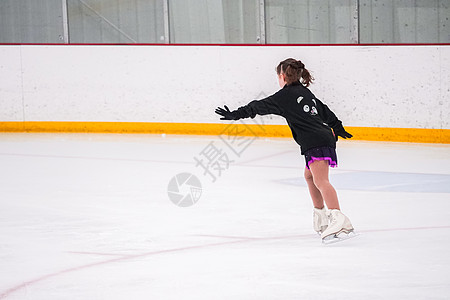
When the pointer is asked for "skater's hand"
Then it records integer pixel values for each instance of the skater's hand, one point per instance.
(340, 131)
(226, 113)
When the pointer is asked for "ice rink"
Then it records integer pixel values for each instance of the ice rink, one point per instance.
(90, 216)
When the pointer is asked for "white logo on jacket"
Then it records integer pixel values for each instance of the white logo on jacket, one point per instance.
(299, 99)
(306, 108)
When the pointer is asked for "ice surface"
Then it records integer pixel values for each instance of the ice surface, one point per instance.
(85, 216)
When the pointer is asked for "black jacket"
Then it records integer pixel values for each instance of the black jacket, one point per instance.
(309, 119)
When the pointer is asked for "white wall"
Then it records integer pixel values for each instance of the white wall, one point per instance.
(388, 86)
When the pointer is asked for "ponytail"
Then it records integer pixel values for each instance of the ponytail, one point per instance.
(294, 70)
(307, 79)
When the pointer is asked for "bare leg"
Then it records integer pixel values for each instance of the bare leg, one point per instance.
(319, 171)
(316, 196)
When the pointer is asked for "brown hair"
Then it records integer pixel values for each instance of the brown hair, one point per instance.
(294, 70)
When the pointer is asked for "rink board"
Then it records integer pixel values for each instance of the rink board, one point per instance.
(236, 128)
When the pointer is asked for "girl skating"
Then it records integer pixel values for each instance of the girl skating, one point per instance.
(316, 129)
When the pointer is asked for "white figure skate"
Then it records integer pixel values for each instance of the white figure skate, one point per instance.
(320, 220)
(339, 228)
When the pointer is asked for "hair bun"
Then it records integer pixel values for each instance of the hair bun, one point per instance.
(294, 71)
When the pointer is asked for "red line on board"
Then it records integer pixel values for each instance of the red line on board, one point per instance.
(226, 45)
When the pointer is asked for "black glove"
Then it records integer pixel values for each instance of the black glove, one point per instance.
(227, 114)
(340, 131)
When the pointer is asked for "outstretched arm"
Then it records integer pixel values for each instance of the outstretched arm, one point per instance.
(227, 114)
(257, 107)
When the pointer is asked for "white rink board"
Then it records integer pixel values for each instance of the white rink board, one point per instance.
(373, 86)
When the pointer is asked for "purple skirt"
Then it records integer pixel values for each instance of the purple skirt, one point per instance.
(321, 153)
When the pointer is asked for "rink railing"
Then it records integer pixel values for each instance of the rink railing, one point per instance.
(381, 93)
(416, 135)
